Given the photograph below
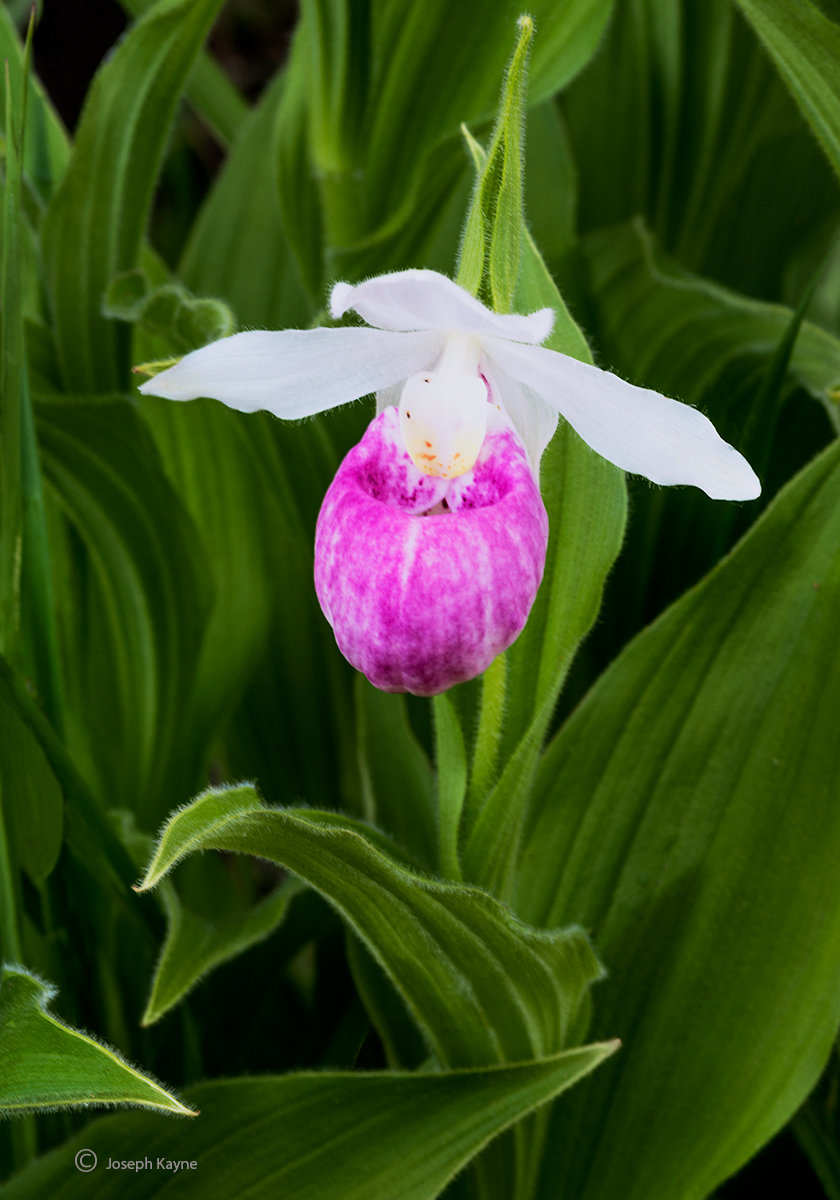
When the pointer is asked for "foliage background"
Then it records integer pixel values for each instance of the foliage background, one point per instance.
(683, 204)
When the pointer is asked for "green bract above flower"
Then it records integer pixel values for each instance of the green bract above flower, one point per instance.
(413, 315)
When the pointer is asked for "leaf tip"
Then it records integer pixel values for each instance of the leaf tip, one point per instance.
(154, 368)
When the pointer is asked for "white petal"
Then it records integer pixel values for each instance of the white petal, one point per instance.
(428, 300)
(533, 419)
(636, 429)
(297, 372)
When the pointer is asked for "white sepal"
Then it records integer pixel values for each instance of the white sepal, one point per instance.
(297, 372)
(411, 300)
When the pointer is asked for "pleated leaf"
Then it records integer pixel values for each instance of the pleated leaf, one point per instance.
(95, 224)
(677, 332)
(33, 806)
(320, 1136)
(47, 1064)
(238, 248)
(46, 145)
(687, 814)
(134, 598)
(196, 945)
(804, 43)
(682, 117)
(660, 326)
(483, 987)
(208, 89)
(397, 778)
(354, 115)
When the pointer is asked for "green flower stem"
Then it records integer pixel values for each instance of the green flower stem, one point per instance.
(452, 784)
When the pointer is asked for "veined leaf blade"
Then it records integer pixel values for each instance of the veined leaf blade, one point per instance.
(665, 810)
(95, 223)
(483, 987)
(47, 1064)
(321, 1136)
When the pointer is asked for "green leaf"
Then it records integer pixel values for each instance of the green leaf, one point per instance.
(230, 504)
(370, 68)
(551, 182)
(209, 918)
(315, 1136)
(13, 398)
(493, 824)
(488, 737)
(646, 303)
(299, 740)
(815, 1127)
(245, 506)
(46, 145)
(89, 834)
(805, 46)
(257, 509)
(209, 90)
(96, 221)
(216, 99)
(12, 384)
(482, 987)
(298, 190)
(134, 596)
(664, 328)
(662, 820)
(681, 117)
(9, 923)
(28, 631)
(397, 778)
(47, 1064)
(401, 1039)
(38, 604)
(238, 248)
(33, 806)
(195, 946)
(367, 169)
(586, 501)
(590, 519)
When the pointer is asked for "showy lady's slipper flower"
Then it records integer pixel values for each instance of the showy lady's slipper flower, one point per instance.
(431, 540)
